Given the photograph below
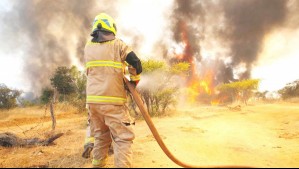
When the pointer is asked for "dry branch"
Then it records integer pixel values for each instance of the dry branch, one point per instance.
(11, 140)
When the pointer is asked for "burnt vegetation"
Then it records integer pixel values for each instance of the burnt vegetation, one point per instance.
(12, 140)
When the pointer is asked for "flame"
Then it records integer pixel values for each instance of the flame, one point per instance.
(215, 102)
(193, 92)
(198, 83)
(200, 86)
(187, 53)
(205, 85)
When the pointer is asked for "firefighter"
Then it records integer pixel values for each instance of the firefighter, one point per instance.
(106, 59)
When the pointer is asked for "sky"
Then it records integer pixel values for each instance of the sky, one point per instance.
(276, 62)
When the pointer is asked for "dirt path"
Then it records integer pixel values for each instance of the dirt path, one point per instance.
(258, 136)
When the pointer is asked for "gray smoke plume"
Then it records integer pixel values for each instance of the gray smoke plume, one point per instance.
(293, 15)
(248, 21)
(51, 34)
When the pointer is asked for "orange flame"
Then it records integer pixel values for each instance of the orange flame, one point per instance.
(215, 102)
(197, 85)
(200, 86)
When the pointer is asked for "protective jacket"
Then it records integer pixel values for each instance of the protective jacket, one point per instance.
(105, 64)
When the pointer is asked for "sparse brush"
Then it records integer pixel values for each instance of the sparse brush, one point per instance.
(293, 100)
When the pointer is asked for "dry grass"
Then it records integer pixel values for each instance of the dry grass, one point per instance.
(36, 111)
(34, 122)
(264, 135)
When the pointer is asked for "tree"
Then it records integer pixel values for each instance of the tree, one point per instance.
(63, 81)
(261, 95)
(150, 66)
(240, 90)
(47, 95)
(71, 84)
(290, 90)
(77, 99)
(8, 97)
(79, 81)
(160, 91)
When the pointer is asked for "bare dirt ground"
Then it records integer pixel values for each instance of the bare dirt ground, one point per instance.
(260, 135)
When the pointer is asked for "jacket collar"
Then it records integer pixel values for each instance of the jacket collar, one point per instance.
(101, 36)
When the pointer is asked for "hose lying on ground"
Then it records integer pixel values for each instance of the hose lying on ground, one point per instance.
(155, 133)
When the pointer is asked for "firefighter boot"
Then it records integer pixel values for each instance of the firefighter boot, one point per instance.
(87, 150)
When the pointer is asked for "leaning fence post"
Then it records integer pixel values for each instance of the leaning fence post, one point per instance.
(52, 111)
(52, 116)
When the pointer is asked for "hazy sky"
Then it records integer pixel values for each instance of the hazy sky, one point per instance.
(277, 63)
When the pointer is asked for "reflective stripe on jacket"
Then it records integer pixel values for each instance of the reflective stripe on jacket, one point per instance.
(105, 70)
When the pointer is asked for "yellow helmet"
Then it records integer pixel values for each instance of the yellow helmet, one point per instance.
(104, 22)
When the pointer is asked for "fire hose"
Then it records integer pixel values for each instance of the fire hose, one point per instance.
(156, 135)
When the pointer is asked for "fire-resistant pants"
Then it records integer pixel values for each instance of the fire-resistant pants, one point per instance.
(112, 124)
(89, 131)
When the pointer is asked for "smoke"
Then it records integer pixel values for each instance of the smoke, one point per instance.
(293, 14)
(227, 35)
(248, 22)
(238, 25)
(187, 21)
(50, 34)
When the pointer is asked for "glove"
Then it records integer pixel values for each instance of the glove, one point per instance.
(134, 83)
(137, 81)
